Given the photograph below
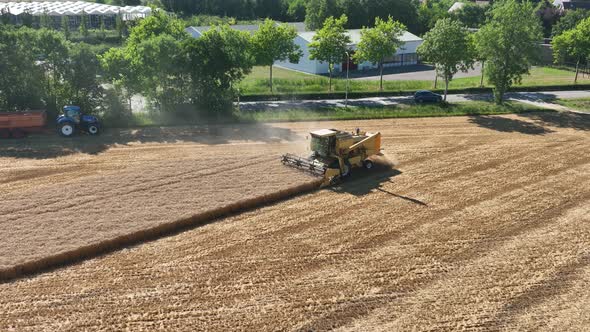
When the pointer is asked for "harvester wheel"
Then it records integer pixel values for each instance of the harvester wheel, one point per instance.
(368, 164)
(346, 170)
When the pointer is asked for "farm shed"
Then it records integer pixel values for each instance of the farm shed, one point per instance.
(405, 55)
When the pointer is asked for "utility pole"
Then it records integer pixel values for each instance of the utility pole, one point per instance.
(347, 71)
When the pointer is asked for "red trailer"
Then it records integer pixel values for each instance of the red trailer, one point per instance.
(19, 124)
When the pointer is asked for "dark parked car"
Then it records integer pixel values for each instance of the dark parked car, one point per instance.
(425, 96)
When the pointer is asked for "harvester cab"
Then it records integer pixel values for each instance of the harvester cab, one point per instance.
(335, 153)
(72, 120)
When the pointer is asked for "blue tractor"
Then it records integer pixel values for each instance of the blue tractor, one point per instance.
(72, 121)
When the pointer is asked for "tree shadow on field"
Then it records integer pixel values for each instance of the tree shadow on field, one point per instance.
(49, 145)
(576, 121)
(362, 182)
(508, 125)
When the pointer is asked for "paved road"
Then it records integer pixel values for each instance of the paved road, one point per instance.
(542, 99)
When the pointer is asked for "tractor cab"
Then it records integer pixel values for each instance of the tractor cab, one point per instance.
(73, 112)
(72, 121)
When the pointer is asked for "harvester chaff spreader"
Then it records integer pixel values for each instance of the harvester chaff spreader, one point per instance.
(335, 153)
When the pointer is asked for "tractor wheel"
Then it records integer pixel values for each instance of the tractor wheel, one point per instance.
(368, 164)
(67, 129)
(4, 133)
(93, 129)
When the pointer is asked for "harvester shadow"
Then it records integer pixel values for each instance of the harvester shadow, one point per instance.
(409, 199)
(46, 146)
(362, 182)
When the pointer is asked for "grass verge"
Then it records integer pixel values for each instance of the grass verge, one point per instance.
(289, 82)
(328, 113)
(580, 104)
(397, 111)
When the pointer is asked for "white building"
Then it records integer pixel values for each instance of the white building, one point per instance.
(405, 55)
(457, 6)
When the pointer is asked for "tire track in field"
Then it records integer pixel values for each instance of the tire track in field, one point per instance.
(316, 220)
(318, 263)
(452, 209)
(344, 315)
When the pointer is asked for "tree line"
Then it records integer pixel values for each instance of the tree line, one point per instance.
(159, 60)
(418, 17)
(41, 69)
(507, 45)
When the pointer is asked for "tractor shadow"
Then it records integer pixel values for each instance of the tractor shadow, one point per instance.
(49, 145)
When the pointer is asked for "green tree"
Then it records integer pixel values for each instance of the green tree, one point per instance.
(150, 62)
(82, 86)
(157, 63)
(509, 43)
(574, 43)
(429, 12)
(274, 42)
(102, 30)
(53, 50)
(569, 20)
(65, 27)
(330, 43)
(548, 14)
(5, 16)
(84, 25)
(317, 11)
(296, 10)
(216, 62)
(27, 18)
(448, 46)
(21, 80)
(118, 69)
(154, 25)
(478, 56)
(471, 15)
(380, 42)
(119, 26)
(45, 21)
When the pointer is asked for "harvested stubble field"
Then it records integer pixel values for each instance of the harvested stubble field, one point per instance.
(484, 224)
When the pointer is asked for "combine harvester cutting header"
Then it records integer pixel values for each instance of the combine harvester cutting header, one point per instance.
(335, 153)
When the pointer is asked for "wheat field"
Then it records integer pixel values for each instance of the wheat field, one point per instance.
(56, 210)
(482, 225)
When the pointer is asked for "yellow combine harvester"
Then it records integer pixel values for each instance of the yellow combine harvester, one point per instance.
(335, 153)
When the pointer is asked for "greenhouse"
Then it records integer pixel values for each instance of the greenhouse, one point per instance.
(73, 10)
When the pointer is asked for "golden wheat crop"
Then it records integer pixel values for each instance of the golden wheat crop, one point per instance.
(482, 225)
(58, 210)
